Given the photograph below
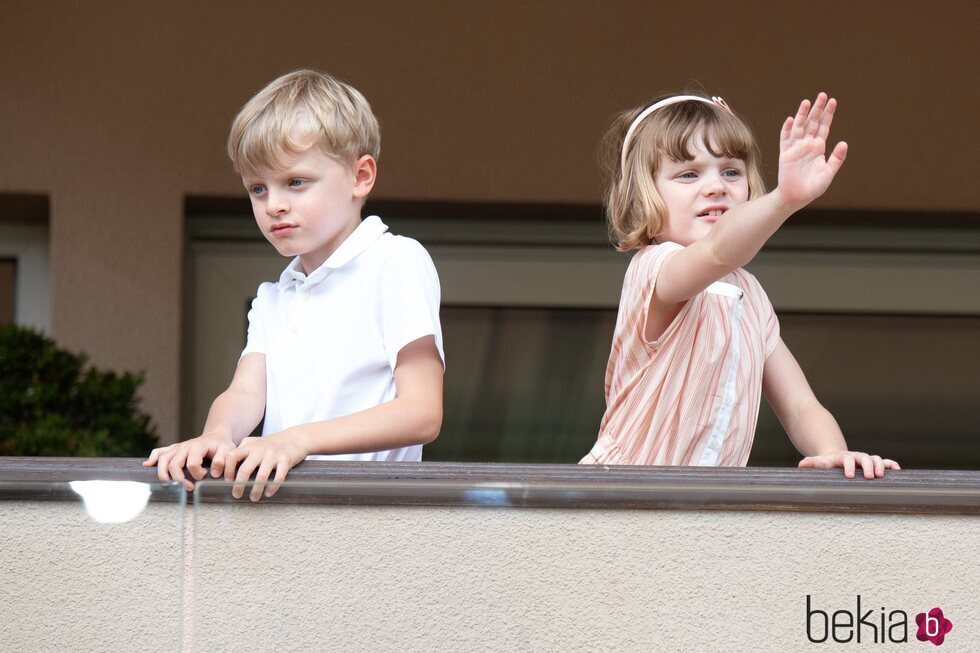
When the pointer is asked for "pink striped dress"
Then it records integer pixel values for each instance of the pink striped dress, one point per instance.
(692, 396)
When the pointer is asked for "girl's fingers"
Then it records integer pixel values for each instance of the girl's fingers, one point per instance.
(848, 465)
(879, 466)
(867, 464)
(890, 464)
(827, 119)
(815, 115)
(799, 121)
(787, 130)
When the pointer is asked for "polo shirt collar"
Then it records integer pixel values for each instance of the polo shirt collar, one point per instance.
(370, 229)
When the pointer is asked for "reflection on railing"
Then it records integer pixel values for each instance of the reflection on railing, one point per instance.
(112, 502)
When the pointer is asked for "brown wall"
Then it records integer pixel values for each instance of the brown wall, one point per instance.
(117, 110)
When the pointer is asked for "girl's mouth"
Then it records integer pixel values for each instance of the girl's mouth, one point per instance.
(712, 212)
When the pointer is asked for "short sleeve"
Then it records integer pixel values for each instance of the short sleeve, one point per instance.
(409, 299)
(255, 341)
(771, 328)
(650, 272)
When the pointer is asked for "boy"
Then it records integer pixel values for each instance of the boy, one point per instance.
(344, 354)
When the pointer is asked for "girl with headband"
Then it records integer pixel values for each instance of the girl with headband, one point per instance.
(696, 340)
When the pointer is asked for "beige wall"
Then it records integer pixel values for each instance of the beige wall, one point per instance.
(118, 110)
(469, 579)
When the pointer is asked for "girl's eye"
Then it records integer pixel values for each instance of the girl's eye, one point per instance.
(733, 173)
(687, 175)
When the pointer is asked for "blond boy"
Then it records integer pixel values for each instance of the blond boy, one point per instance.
(344, 353)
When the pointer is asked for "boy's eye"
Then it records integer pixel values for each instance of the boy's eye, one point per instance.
(295, 182)
(256, 189)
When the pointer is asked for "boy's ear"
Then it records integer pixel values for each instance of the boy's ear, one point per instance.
(365, 174)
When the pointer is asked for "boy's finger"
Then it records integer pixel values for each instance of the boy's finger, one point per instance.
(281, 470)
(241, 478)
(218, 463)
(260, 478)
(195, 461)
(152, 458)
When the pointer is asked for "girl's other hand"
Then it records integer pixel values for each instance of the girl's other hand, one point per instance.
(804, 173)
(873, 466)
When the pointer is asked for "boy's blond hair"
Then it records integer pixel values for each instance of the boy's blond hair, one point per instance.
(300, 105)
(635, 212)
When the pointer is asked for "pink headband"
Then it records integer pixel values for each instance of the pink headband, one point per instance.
(716, 100)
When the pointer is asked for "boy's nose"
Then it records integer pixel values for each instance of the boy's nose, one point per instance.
(277, 205)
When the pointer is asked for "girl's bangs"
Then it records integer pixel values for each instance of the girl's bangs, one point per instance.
(722, 134)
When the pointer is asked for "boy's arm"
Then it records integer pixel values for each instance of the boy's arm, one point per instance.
(414, 416)
(810, 426)
(735, 239)
(233, 415)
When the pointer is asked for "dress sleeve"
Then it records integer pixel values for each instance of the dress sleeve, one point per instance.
(409, 299)
(255, 340)
(771, 329)
(649, 275)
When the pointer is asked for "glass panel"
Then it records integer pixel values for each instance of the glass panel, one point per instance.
(328, 571)
(889, 381)
(522, 384)
(91, 566)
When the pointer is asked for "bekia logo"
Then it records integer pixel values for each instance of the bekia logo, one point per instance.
(892, 626)
(932, 626)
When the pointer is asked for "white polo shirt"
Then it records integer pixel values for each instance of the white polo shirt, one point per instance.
(331, 339)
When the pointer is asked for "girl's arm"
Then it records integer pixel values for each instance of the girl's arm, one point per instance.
(812, 429)
(233, 415)
(735, 239)
(414, 416)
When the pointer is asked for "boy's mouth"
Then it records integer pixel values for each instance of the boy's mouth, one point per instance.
(282, 229)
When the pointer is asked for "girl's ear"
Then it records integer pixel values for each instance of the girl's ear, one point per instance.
(365, 174)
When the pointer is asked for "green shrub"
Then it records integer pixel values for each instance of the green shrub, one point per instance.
(51, 404)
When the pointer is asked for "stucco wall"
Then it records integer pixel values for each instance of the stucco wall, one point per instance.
(303, 578)
(118, 110)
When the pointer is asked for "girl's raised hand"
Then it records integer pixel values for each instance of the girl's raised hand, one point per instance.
(804, 172)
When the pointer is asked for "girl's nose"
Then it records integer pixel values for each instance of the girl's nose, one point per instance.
(713, 185)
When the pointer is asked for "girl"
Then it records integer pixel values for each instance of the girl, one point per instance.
(696, 339)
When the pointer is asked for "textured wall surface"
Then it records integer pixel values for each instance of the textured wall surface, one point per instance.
(305, 578)
(71, 584)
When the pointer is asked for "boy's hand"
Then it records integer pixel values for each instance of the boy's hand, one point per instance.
(277, 452)
(804, 173)
(170, 461)
(873, 466)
